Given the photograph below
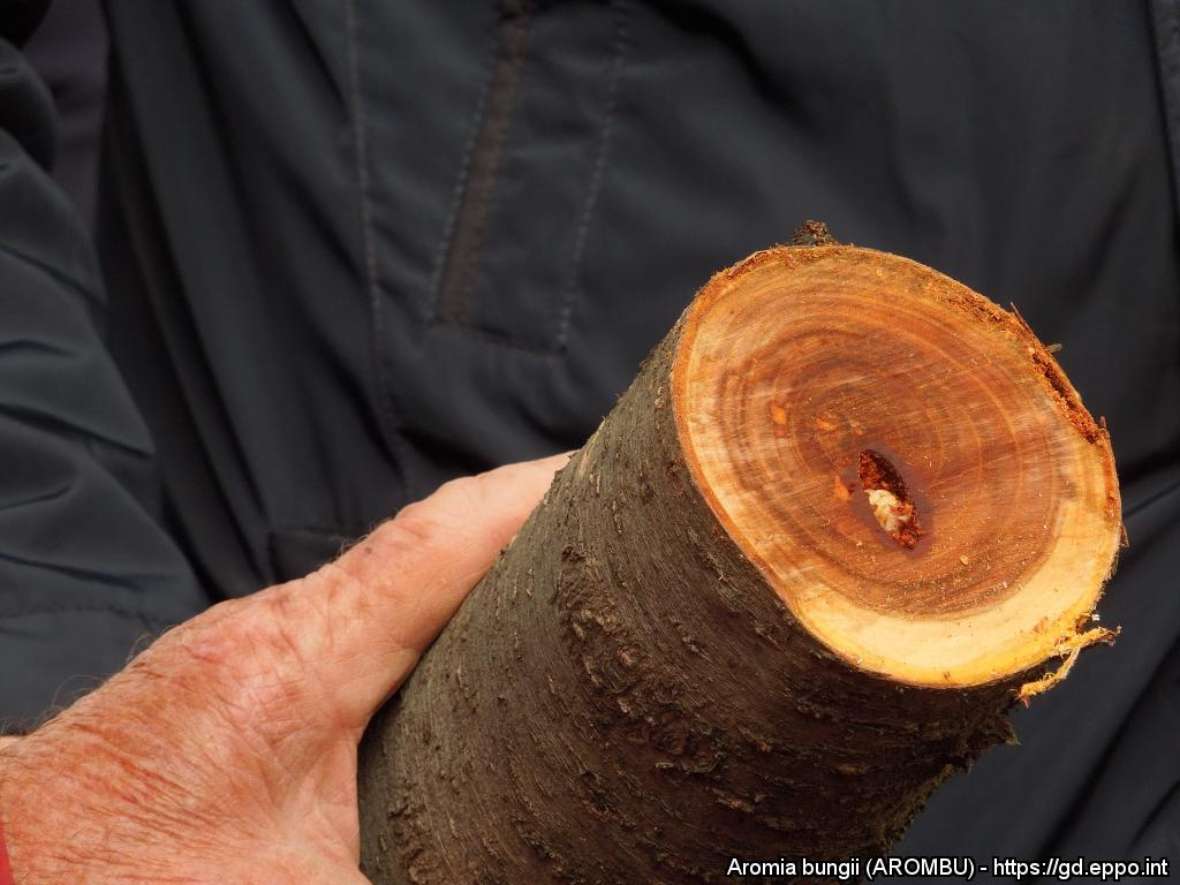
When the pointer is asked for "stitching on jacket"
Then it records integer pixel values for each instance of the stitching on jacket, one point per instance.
(473, 126)
(467, 228)
(572, 287)
(506, 341)
(386, 413)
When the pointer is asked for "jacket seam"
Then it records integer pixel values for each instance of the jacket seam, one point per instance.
(573, 286)
(473, 126)
(483, 156)
(387, 415)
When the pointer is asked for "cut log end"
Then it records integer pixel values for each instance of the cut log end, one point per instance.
(903, 460)
(840, 483)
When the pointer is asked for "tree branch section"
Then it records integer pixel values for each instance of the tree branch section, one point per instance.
(848, 509)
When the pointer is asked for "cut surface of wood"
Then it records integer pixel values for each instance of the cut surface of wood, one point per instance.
(903, 460)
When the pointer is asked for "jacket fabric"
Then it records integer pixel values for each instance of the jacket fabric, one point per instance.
(344, 250)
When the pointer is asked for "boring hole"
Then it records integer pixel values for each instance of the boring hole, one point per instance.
(890, 503)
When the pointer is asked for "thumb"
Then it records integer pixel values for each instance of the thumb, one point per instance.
(380, 605)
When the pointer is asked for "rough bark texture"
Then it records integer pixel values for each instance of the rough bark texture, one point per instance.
(624, 699)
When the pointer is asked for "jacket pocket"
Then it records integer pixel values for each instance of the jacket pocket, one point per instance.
(532, 172)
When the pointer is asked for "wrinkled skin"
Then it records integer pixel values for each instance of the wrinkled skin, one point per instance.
(226, 752)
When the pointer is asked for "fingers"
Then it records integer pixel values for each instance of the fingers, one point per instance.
(376, 609)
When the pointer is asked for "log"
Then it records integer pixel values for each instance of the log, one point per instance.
(847, 514)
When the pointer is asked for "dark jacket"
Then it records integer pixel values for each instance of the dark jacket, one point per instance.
(350, 249)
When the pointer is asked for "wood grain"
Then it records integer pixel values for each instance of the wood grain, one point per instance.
(847, 351)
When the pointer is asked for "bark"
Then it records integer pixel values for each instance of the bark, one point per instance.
(636, 693)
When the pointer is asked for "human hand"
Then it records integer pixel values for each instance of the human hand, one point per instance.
(226, 752)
